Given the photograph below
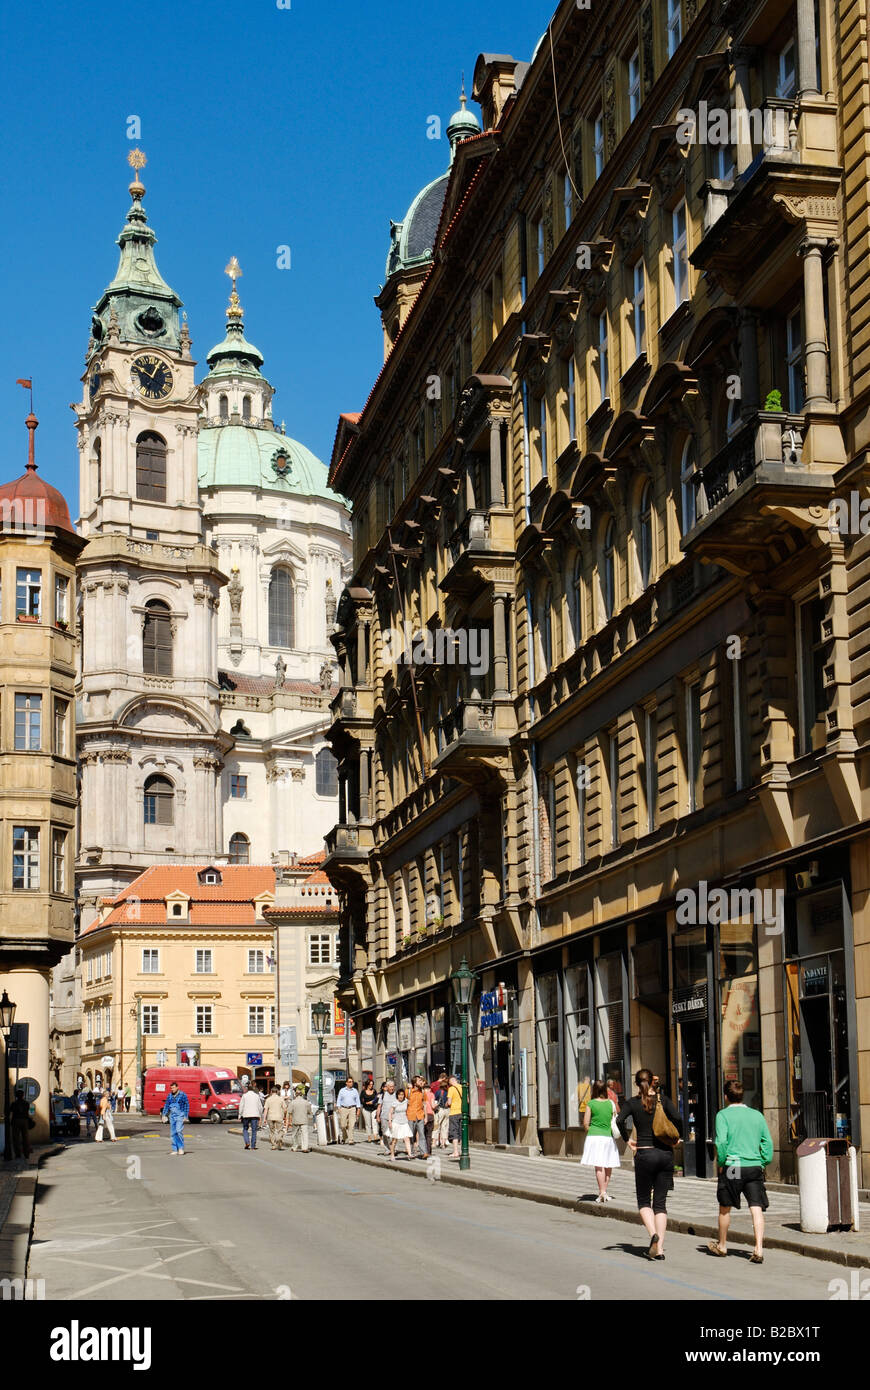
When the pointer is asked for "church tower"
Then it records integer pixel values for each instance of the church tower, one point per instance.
(149, 740)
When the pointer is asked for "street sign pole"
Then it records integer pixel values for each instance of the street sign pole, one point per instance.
(139, 1055)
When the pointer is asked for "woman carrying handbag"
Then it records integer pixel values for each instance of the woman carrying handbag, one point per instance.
(657, 1129)
(600, 1151)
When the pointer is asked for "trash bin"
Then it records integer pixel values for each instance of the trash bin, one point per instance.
(320, 1127)
(828, 1184)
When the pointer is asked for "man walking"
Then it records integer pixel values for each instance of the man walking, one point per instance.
(19, 1116)
(454, 1123)
(128, 1096)
(442, 1112)
(106, 1120)
(417, 1116)
(299, 1112)
(250, 1114)
(176, 1111)
(273, 1114)
(384, 1113)
(744, 1148)
(348, 1109)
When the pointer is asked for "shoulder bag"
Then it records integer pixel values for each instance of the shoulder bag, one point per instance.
(614, 1127)
(661, 1125)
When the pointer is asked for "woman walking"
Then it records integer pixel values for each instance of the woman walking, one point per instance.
(657, 1128)
(399, 1126)
(369, 1100)
(600, 1151)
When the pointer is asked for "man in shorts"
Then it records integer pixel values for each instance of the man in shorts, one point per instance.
(744, 1148)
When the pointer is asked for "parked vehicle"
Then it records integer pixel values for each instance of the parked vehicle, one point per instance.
(64, 1121)
(213, 1092)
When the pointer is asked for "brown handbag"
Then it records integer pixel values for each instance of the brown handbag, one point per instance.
(661, 1125)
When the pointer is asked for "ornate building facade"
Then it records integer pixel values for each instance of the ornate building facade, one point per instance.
(606, 448)
(214, 554)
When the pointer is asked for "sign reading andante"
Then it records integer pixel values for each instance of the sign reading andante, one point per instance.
(690, 1004)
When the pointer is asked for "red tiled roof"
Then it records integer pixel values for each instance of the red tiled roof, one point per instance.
(236, 683)
(228, 903)
(312, 909)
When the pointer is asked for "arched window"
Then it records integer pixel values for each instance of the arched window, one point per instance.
(159, 801)
(151, 467)
(240, 849)
(645, 534)
(246, 407)
(688, 491)
(157, 640)
(281, 625)
(608, 571)
(224, 408)
(326, 770)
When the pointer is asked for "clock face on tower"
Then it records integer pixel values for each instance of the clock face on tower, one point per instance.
(152, 376)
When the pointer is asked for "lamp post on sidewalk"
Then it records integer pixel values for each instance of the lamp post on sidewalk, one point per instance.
(321, 1016)
(7, 1018)
(463, 981)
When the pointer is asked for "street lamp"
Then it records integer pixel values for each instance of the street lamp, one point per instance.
(321, 1014)
(463, 981)
(7, 1018)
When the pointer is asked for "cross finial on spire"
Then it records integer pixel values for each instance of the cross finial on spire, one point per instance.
(462, 97)
(234, 270)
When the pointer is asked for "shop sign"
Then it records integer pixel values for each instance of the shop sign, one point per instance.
(690, 1004)
(338, 1026)
(815, 979)
(494, 1008)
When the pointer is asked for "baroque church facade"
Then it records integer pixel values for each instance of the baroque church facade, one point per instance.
(214, 555)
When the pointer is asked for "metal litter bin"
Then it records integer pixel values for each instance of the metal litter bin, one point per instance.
(828, 1184)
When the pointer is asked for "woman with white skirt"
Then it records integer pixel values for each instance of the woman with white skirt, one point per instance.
(600, 1151)
(399, 1125)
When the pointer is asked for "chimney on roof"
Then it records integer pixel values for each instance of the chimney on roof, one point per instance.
(494, 81)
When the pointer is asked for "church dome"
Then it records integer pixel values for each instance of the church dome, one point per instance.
(264, 460)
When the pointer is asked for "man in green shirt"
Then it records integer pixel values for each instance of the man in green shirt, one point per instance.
(744, 1148)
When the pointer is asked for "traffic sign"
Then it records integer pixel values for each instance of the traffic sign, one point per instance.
(255, 1059)
(31, 1088)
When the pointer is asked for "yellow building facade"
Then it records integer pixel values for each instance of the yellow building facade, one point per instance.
(617, 454)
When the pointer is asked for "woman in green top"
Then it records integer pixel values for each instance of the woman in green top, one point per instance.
(600, 1151)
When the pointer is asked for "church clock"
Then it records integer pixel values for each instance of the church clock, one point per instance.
(154, 377)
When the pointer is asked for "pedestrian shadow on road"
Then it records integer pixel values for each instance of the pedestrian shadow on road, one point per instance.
(639, 1251)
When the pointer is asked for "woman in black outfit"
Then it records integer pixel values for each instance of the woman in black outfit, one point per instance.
(653, 1158)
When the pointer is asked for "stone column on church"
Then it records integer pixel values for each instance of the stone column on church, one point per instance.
(815, 328)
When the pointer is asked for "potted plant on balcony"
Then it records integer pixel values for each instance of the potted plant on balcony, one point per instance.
(406, 940)
(773, 402)
(62, 624)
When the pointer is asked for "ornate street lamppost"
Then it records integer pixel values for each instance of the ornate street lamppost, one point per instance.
(7, 1018)
(321, 1016)
(463, 981)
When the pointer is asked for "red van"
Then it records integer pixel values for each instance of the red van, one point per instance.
(213, 1092)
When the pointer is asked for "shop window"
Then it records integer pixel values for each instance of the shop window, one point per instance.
(611, 1021)
(578, 1043)
(738, 1002)
(549, 1051)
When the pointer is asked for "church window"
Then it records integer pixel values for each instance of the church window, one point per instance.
(157, 640)
(224, 408)
(238, 786)
(151, 467)
(327, 773)
(240, 849)
(246, 408)
(159, 801)
(281, 624)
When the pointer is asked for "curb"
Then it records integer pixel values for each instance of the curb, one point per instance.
(17, 1229)
(689, 1228)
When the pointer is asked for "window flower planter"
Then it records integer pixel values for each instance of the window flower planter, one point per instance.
(26, 618)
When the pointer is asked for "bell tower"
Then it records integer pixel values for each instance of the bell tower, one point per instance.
(149, 740)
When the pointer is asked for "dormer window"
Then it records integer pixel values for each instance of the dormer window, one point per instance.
(210, 876)
(178, 909)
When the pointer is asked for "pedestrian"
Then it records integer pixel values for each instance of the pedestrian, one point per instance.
(273, 1113)
(106, 1120)
(128, 1096)
(429, 1111)
(454, 1107)
(369, 1101)
(299, 1112)
(90, 1112)
(250, 1114)
(657, 1127)
(399, 1126)
(744, 1148)
(175, 1112)
(600, 1151)
(416, 1113)
(384, 1114)
(442, 1112)
(19, 1126)
(348, 1110)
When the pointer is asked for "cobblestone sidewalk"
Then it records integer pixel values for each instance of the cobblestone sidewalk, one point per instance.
(692, 1206)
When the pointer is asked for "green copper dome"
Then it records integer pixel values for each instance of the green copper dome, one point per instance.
(240, 456)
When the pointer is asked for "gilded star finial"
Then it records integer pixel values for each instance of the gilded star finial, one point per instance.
(136, 160)
(234, 270)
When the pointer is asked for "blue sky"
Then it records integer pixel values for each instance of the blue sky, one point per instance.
(263, 127)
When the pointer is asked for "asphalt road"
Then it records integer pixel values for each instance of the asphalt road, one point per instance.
(130, 1220)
